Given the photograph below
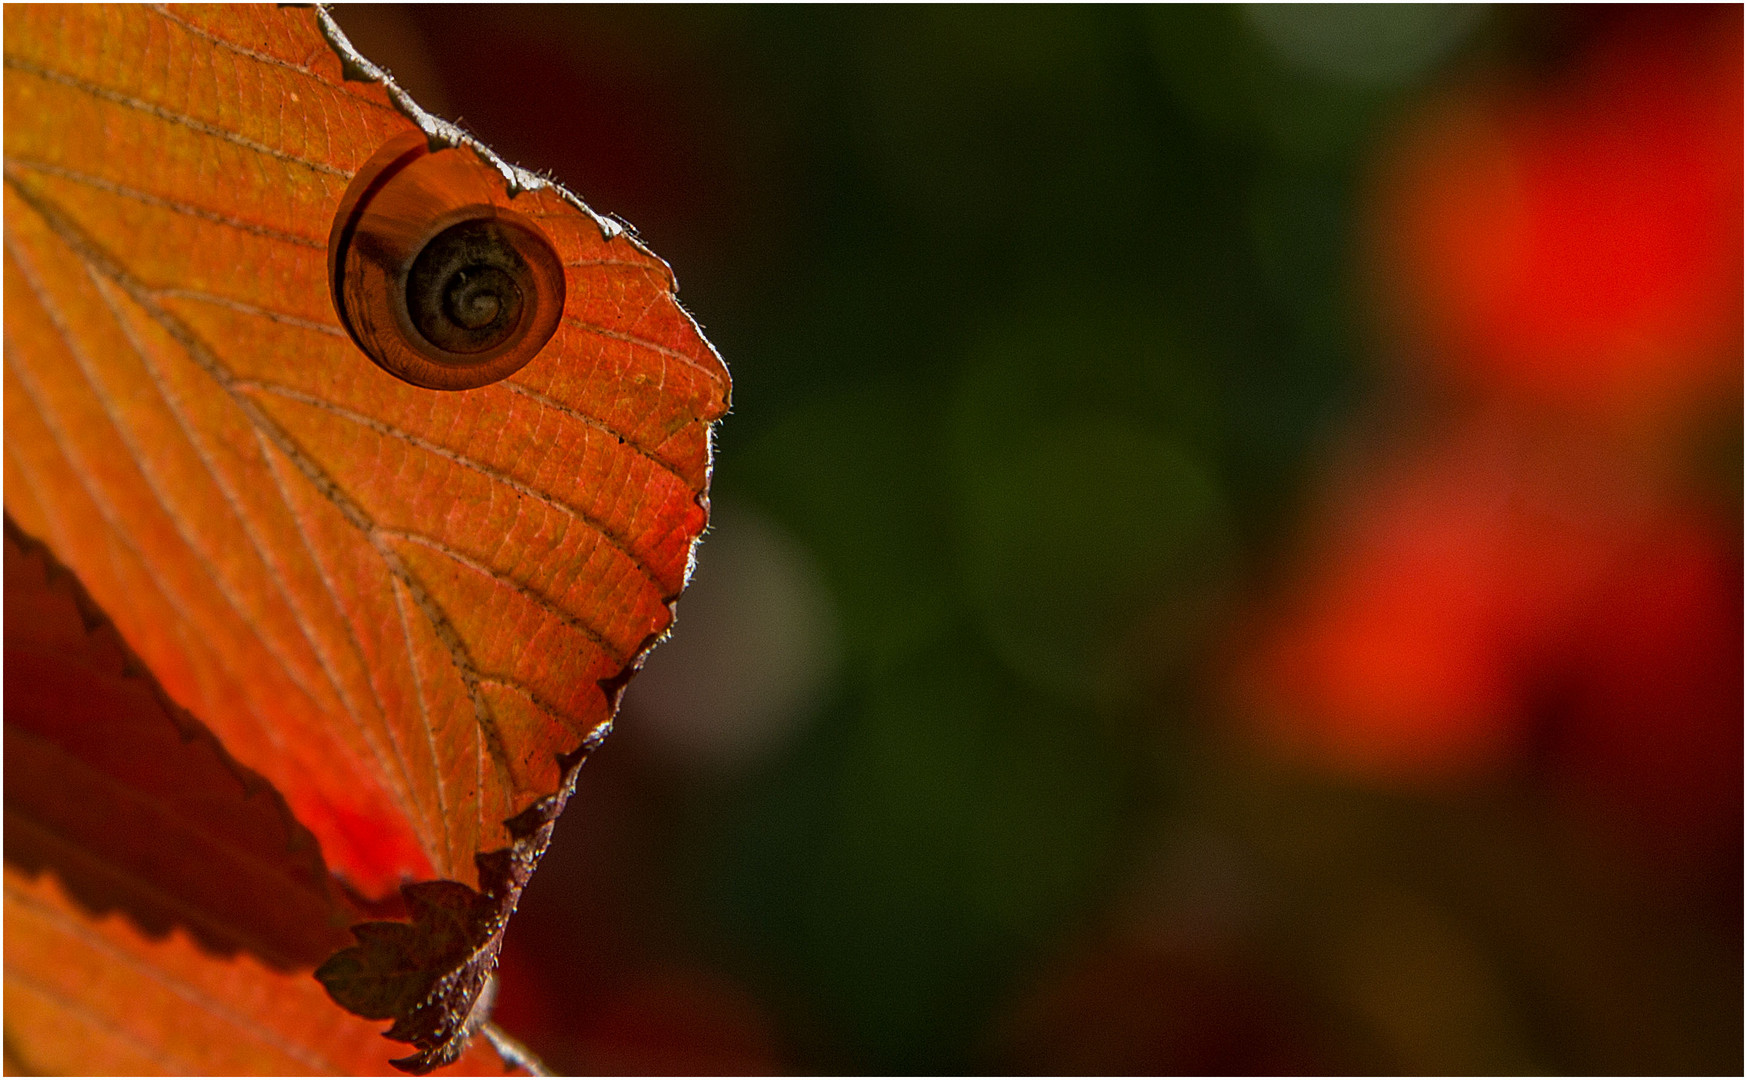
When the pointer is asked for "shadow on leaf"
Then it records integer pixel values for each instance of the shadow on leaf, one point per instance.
(131, 803)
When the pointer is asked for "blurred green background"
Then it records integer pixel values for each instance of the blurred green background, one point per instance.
(1143, 628)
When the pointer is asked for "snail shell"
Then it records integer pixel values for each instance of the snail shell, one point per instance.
(435, 281)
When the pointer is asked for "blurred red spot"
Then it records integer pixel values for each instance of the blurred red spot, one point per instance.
(1399, 656)
(1497, 601)
(1582, 244)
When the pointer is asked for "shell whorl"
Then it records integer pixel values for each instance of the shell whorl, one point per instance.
(439, 284)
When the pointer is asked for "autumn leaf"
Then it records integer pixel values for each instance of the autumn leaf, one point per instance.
(163, 908)
(410, 611)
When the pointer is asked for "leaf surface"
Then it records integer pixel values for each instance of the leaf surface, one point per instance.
(410, 610)
(163, 909)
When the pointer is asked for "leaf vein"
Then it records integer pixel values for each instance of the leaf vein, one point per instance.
(418, 684)
(244, 522)
(600, 425)
(644, 343)
(116, 97)
(619, 543)
(243, 308)
(521, 588)
(186, 209)
(592, 737)
(334, 599)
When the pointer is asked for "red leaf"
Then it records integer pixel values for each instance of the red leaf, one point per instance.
(410, 610)
(163, 910)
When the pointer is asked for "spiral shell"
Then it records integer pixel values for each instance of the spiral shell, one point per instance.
(436, 282)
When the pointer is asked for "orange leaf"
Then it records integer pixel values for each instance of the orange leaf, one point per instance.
(410, 610)
(182, 908)
(98, 997)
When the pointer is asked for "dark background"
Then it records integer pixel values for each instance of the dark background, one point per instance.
(1227, 552)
